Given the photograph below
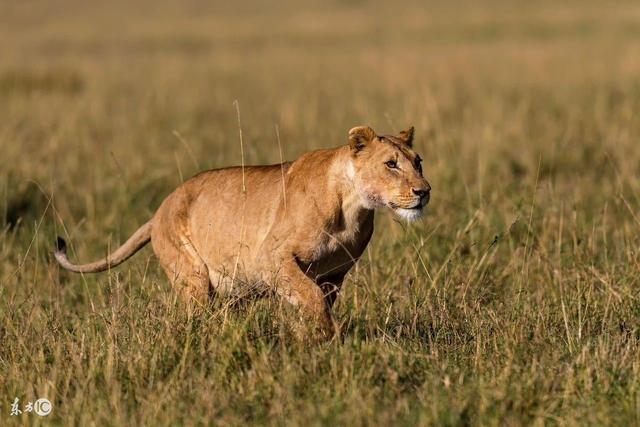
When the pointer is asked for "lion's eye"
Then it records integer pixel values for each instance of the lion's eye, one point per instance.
(419, 164)
(391, 164)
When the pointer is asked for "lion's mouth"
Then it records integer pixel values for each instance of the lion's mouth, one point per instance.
(409, 213)
(417, 207)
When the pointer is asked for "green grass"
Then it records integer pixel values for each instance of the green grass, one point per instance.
(514, 302)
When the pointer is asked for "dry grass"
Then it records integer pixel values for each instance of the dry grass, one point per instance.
(515, 302)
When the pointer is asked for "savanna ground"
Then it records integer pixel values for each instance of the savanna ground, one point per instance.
(514, 302)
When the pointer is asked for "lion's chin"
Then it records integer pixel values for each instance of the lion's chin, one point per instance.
(409, 214)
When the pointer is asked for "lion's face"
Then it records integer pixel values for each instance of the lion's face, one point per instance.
(387, 172)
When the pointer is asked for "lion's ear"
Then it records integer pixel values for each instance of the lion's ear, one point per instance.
(360, 136)
(407, 136)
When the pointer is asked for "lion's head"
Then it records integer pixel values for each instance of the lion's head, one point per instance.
(387, 172)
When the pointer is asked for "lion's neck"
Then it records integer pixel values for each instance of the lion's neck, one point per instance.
(349, 204)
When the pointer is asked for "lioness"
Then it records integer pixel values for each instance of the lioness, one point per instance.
(294, 228)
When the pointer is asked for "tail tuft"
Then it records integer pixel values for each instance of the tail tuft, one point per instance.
(61, 245)
(141, 237)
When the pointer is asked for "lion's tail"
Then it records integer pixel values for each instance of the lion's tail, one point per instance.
(140, 238)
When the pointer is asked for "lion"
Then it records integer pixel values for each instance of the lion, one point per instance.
(294, 229)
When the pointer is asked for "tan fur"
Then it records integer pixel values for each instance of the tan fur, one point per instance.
(241, 231)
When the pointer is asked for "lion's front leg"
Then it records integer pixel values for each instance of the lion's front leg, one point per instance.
(331, 286)
(299, 290)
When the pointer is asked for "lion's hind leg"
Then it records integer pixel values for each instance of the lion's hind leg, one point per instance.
(185, 269)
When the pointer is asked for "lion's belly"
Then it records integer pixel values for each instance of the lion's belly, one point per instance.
(231, 261)
(228, 225)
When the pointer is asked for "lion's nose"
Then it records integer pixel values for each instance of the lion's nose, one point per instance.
(421, 192)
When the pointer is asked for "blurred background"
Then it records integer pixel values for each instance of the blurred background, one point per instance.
(515, 300)
(116, 96)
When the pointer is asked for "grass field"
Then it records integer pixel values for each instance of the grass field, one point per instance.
(516, 301)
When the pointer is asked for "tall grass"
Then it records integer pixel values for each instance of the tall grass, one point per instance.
(514, 302)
